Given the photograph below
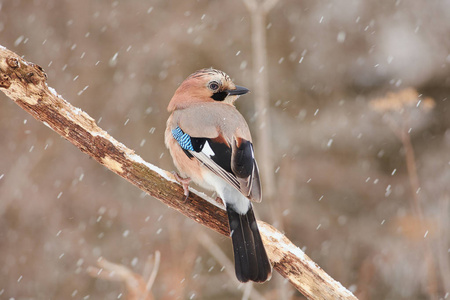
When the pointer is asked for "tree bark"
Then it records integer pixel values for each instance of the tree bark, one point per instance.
(25, 83)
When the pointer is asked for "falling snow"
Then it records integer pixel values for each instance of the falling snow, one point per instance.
(121, 63)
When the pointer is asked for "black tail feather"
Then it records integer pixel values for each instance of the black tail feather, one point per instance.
(251, 262)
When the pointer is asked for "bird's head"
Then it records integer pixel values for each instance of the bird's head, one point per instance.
(206, 85)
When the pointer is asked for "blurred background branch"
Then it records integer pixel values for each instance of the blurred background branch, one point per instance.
(138, 287)
(399, 110)
(258, 11)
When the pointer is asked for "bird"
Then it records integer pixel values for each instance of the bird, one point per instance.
(210, 144)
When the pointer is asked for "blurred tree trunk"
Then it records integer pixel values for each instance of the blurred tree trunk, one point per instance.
(25, 83)
(260, 69)
(258, 13)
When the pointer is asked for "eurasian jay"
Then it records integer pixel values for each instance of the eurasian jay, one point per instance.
(210, 144)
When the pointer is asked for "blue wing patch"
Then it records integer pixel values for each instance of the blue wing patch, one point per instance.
(183, 139)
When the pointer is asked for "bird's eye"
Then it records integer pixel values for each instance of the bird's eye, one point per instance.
(213, 85)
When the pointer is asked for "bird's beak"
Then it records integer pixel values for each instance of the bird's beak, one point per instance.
(239, 90)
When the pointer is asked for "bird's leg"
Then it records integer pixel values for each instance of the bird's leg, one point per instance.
(184, 183)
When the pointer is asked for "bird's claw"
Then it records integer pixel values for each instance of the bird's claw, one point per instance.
(184, 183)
(220, 201)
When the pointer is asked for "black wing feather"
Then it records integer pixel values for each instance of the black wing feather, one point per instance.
(243, 160)
(235, 164)
(222, 153)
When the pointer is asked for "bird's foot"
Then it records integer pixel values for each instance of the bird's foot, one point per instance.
(184, 183)
(220, 201)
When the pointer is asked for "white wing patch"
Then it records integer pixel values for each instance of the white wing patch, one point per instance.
(215, 168)
(207, 150)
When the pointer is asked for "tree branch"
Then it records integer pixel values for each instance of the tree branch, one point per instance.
(25, 83)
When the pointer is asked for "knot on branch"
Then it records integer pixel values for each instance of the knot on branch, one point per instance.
(35, 76)
(4, 81)
(21, 80)
(15, 68)
(12, 62)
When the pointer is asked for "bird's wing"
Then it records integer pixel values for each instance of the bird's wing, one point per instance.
(232, 160)
(243, 165)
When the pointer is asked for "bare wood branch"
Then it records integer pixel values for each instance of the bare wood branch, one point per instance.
(25, 83)
(290, 261)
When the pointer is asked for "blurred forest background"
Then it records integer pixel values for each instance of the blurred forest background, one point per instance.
(360, 144)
